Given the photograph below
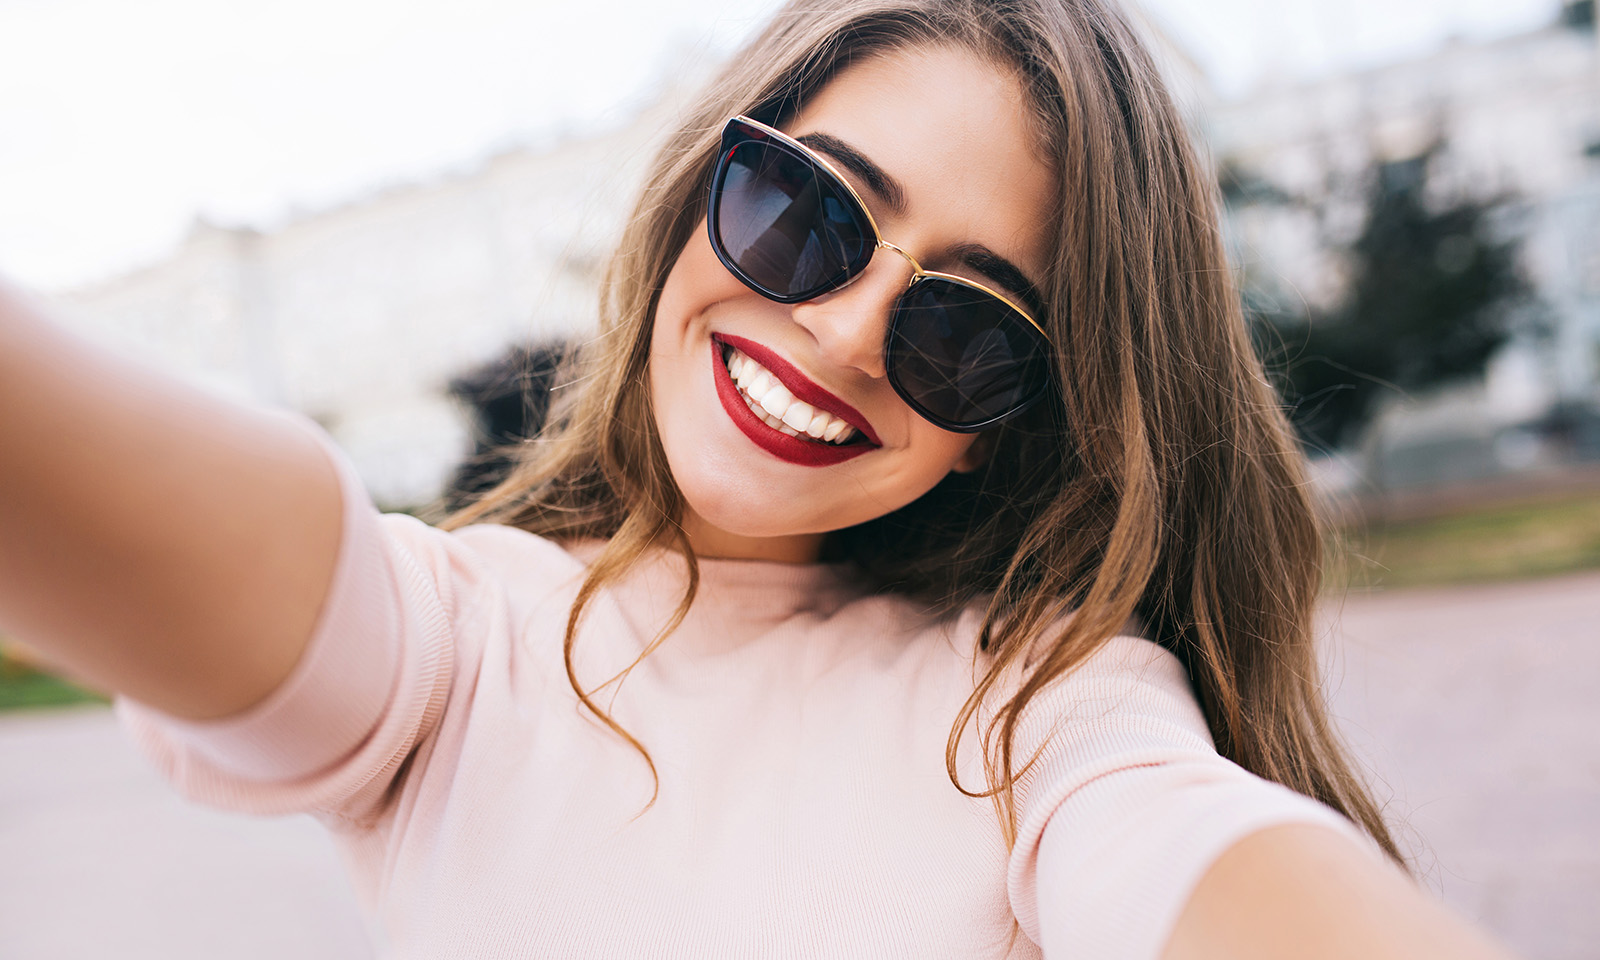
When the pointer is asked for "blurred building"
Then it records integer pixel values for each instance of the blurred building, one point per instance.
(1520, 118)
(359, 316)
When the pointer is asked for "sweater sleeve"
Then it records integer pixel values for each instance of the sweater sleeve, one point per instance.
(1128, 806)
(370, 685)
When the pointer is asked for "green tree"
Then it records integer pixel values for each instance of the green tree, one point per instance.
(1433, 290)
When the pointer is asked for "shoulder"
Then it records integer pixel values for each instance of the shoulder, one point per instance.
(1127, 676)
(491, 542)
(1128, 704)
(1129, 701)
(512, 548)
(481, 556)
(1125, 802)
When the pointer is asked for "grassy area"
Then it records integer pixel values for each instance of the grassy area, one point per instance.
(1500, 542)
(21, 686)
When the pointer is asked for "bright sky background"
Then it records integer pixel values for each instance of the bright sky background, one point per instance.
(121, 120)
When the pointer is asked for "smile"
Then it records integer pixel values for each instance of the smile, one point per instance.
(781, 410)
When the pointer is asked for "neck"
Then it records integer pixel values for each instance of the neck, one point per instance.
(714, 543)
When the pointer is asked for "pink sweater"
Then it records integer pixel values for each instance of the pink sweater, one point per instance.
(798, 726)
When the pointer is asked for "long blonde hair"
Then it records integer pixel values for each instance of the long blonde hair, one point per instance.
(1164, 483)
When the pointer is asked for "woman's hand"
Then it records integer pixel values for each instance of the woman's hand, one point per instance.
(154, 540)
(1308, 892)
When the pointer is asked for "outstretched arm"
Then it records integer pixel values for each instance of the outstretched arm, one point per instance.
(154, 540)
(1299, 890)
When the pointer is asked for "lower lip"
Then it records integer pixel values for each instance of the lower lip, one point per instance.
(776, 442)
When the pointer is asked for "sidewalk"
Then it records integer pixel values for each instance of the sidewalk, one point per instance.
(100, 859)
(1478, 709)
(1475, 706)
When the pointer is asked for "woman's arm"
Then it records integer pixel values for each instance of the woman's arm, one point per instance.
(1136, 839)
(1305, 891)
(154, 540)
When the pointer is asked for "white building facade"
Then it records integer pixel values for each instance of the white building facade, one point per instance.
(359, 316)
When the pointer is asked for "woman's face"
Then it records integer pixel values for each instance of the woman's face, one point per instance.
(949, 133)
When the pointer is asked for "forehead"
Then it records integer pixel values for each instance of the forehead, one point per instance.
(956, 132)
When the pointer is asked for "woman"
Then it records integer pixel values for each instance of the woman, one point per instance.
(923, 569)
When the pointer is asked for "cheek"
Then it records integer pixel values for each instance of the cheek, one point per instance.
(677, 333)
(935, 452)
(697, 281)
(900, 475)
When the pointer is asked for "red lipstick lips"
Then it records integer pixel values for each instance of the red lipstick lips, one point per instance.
(808, 453)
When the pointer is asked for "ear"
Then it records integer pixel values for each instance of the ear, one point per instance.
(977, 454)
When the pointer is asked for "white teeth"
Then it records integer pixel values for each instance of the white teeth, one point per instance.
(779, 425)
(768, 418)
(799, 415)
(776, 400)
(772, 402)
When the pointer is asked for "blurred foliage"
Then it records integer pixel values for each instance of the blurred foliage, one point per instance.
(24, 685)
(508, 400)
(1432, 289)
(1493, 542)
(1578, 14)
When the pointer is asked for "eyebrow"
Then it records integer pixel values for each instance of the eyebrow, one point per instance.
(1004, 272)
(888, 189)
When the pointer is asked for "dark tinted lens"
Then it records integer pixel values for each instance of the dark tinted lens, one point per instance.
(961, 357)
(788, 230)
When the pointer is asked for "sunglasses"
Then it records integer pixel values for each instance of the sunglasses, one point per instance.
(786, 223)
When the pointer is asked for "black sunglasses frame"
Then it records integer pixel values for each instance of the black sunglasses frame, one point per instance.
(740, 130)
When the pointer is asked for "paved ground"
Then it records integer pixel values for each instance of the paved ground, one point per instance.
(1476, 707)
(1479, 708)
(100, 859)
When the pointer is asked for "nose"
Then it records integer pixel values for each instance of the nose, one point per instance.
(850, 324)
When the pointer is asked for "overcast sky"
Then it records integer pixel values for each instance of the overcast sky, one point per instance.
(121, 121)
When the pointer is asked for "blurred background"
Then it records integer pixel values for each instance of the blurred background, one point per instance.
(376, 213)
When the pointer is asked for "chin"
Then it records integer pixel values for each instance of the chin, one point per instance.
(746, 508)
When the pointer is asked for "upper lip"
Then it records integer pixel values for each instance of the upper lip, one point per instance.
(800, 385)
